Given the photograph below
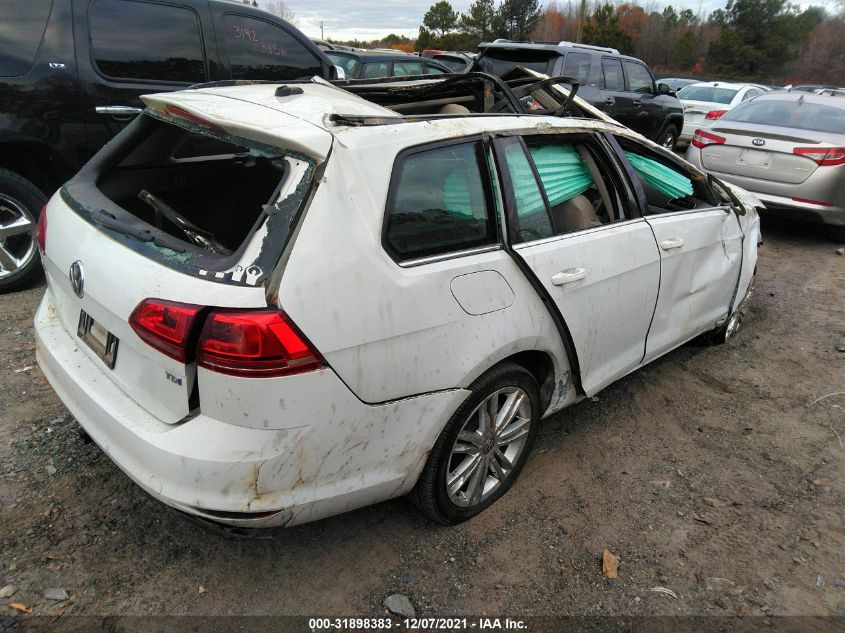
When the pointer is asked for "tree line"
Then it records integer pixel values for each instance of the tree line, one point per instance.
(766, 40)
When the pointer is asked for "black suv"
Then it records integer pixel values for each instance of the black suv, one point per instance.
(619, 85)
(71, 72)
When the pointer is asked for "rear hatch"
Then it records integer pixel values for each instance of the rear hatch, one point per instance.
(762, 152)
(193, 203)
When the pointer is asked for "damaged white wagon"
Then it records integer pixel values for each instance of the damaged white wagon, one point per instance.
(271, 304)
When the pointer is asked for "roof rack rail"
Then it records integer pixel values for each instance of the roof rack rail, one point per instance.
(605, 49)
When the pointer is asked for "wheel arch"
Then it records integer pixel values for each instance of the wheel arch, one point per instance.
(34, 162)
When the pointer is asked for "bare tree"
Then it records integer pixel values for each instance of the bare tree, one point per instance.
(280, 8)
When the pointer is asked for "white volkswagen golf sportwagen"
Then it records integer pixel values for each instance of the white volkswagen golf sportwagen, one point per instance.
(270, 304)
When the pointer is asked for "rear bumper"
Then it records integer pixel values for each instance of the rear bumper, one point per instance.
(241, 476)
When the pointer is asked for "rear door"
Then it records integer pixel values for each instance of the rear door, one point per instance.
(615, 98)
(700, 242)
(127, 48)
(597, 263)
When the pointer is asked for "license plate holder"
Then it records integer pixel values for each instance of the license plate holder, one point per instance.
(99, 339)
(755, 158)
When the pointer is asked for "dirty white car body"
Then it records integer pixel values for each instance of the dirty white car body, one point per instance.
(398, 342)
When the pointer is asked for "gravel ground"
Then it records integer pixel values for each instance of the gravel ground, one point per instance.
(715, 473)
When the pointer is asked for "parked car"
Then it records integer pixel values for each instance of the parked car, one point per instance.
(374, 64)
(619, 85)
(455, 61)
(707, 101)
(676, 83)
(273, 303)
(810, 87)
(786, 147)
(71, 74)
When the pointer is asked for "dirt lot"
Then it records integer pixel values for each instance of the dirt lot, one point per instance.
(716, 472)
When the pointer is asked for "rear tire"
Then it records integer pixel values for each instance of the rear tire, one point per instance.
(20, 206)
(668, 138)
(483, 447)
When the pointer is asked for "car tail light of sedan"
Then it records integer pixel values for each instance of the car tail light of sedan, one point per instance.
(703, 139)
(824, 156)
(254, 343)
(715, 114)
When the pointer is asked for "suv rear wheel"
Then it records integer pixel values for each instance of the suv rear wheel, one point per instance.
(20, 206)
(483, 447)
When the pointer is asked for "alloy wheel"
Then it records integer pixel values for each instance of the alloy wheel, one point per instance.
(17, 236)
(488, 446)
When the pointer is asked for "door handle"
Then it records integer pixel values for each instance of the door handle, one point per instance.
(568, 276)
(118, 111)
(609, 101)
(637, 102)
(672, 243)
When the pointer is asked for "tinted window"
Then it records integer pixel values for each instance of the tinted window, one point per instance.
(578, 65)
(142, 40)
(261, 50)
(404, 69)
(612, 77)
(21, 29)
(433, 70)
(707, 93)
(803, 116)
(500, 61)
(454, 63)
(639, 79)
(377, 69)
(752, 92)
(438, 204)
(532, 216)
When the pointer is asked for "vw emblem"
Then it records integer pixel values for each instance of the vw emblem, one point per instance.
(77, 278)
(758, 142)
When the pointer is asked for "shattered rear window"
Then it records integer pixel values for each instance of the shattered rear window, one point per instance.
(194, 196)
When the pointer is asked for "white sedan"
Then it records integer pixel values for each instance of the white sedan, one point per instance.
(706, 101)
(271, 304)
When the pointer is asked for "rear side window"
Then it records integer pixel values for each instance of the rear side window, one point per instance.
(22, 26)
(349, 64)
(577, 65)
(146, 41)
(262, 50)
(404, 69)
(639, 79)
(433, 70)
(438, 204)
(612, 77)
(379, 69)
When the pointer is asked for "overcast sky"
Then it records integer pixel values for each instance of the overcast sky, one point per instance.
(371, 19)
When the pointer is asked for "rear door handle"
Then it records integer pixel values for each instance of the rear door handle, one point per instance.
(637, 102)
(609, 101)
(118, 111)
(568, 276)
(672, 243)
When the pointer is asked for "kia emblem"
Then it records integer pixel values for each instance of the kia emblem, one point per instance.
(77, 278)
(758, 142)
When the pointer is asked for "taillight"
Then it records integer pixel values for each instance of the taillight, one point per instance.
(715, 114)
(254, 343)
(703, 139)
(824, 156)
(180, 113)
(166, 326)
(41, 231)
